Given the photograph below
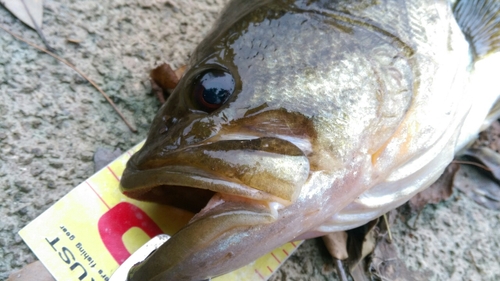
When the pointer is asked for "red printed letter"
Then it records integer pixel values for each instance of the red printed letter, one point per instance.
(117, 221)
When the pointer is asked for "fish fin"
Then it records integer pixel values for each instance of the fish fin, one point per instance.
(479, 20)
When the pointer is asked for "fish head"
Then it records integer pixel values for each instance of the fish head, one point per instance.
(271, 129)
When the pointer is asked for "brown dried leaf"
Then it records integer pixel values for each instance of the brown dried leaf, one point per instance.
(164, 76)
(180, 71)
(31, 272)
(336, 243)
(349, 249)
(164, 79)
(438, 191)
(34, 7)
(360, 243)
(386, 265)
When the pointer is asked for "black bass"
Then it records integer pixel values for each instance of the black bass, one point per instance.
(298, 118)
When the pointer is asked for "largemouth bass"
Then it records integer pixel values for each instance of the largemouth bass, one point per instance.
(298, 118)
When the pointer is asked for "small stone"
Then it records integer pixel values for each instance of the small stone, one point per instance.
(18, 196)
(86, 156)
(16, 135)
(36, 123)
(147, 4)
(26, 160)
(37, 152)
(19, 183)
(3, 136)
(55, 156)
(183, 27)
(23, 211)
(17, 238)
(48, 202)
(36, 171)
(51, 184)
(446, 221)
(78, 79)
(23, 186)
(46, 104)
(16, 263)
(86, 101)
(56, 164)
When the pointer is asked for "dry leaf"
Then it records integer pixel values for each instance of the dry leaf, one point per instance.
(35, 271)
(360, 242)
(349, 248)
(17, 8)
(386, 265)
(164, 79)
(336, 243)
(481, 184)
(490, 137)
(479, 187)
(487, 157)
(438, 191)
(164, 76)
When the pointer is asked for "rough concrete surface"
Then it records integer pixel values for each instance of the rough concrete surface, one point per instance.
(52, 122)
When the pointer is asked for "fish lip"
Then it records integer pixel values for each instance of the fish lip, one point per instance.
(174, 169)
(181, 175)
(211, 226)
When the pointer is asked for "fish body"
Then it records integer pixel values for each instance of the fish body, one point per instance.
(297, 118)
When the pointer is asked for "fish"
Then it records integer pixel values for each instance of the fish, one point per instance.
(299, 118)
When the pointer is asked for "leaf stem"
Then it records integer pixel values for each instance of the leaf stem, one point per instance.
(37, 28)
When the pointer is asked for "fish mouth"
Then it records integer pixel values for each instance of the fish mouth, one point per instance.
(267, 169)
(231, 186)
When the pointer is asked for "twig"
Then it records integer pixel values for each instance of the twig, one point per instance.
(388, 228)
(416, 219)
(79, 72)
(339, 265)
(474, 262)
(37, 28)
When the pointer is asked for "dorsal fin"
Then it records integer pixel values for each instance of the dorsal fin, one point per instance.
(480, 22)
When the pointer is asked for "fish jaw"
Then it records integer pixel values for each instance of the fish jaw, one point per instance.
(212, 242)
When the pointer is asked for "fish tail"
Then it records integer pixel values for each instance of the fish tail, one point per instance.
(479, 20)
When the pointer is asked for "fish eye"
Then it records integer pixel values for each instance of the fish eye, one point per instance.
(212, 89)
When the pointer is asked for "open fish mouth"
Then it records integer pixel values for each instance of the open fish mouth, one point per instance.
(263, 171)
(231, 186)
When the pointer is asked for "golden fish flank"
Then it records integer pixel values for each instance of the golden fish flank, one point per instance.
(299, 118)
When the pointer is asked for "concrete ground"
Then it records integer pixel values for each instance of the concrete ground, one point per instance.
(52, 122)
